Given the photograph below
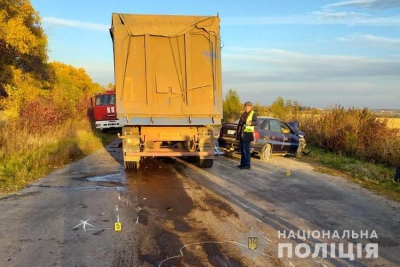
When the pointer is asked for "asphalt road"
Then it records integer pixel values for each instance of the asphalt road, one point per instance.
(172, 213)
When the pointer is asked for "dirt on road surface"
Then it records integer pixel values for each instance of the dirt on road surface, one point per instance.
(172, 213)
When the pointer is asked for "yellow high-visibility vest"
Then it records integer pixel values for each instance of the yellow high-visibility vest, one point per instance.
(249, 128)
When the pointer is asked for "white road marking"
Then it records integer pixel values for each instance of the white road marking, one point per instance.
(243, 205)
(281, 218)
(221, 192)
(267, 239)
(321, 263)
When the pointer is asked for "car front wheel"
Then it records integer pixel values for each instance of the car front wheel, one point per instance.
(229, 154)
(299, 151)
(266, 153)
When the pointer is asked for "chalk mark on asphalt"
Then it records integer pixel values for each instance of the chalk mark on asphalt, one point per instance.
(84, 223)
(207, 242)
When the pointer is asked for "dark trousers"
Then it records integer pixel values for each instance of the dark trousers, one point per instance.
(245, 153)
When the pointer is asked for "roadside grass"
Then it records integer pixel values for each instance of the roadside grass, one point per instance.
(26, 156)
(376, 177)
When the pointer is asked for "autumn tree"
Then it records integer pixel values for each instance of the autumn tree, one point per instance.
(23, 44)
(110, 87)
(231, 106)
(39, 94)
(261, 110)
(285, 110)
(73, 85)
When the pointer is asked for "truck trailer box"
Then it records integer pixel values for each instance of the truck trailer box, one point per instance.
(168, 84)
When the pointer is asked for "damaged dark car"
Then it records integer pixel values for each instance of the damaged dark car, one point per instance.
(271, 137)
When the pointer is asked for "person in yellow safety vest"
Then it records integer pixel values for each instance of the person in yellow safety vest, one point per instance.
(244, 133)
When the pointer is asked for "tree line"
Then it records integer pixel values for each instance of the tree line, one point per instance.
(43, 93)
(280, 108)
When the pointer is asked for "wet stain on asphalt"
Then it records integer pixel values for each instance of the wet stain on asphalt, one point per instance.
(164, 208)
(219, 208)
(143, 217)
(181, 225)
(157, 187)
(168, 245)
(161, 198)
(218, 258)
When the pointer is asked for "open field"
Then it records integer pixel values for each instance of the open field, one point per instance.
(394, 122)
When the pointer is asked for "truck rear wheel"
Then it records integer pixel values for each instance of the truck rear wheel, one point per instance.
(206, 163)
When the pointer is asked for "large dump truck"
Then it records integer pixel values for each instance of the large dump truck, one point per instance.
(168, 85)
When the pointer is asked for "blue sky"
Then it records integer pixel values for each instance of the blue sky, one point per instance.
(316, 52)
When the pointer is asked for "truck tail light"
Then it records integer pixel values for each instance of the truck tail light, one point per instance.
(220, 133)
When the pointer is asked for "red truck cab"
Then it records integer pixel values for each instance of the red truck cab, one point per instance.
(104, 110)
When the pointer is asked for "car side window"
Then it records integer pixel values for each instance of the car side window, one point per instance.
(264, 125)
(285, 128)
(275, 126)
(259, 124)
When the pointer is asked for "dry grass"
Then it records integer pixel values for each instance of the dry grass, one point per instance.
(26, 156)
(394, 123)
(356, 133)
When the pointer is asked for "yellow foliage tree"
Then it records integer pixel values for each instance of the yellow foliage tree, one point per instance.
(72, 86)
(22, 90)
(23, 44)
